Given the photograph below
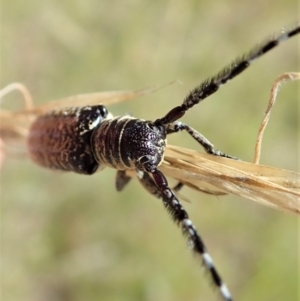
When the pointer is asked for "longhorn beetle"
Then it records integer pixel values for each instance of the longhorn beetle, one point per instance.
(86, 139)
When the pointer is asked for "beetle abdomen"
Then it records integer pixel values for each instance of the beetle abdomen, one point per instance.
(61, 139)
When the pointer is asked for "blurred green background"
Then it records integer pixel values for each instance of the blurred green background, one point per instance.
(70, 237)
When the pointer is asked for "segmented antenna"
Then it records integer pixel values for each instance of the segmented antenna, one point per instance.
(210, 86)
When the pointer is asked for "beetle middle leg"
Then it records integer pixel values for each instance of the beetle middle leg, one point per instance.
(205, 143)
(121, 179)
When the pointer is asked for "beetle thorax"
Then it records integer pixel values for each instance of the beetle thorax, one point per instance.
(126, 142)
